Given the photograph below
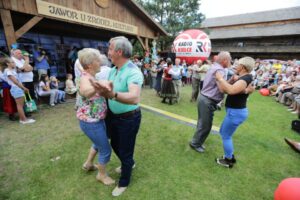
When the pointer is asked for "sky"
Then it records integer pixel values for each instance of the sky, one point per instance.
(219, 8)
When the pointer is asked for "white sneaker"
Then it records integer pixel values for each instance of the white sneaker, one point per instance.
(118, 191)
(119, 170)
(52, 104)
(290, 109)
(28, 121)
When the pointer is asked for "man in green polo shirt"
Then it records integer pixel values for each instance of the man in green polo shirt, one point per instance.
(124, 112)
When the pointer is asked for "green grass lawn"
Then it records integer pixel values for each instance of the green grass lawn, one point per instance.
(166, 167)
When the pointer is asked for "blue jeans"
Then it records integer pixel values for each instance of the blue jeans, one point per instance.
(123, 131)
(96, 131)
(233, 118)
(60, 95)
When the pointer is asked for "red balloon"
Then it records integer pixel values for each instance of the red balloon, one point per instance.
(264, 92)
(288, 189)
(192, 45)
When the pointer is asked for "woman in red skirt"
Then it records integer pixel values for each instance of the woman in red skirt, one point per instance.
(168, 88)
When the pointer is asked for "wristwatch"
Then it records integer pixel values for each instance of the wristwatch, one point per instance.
(115, 97)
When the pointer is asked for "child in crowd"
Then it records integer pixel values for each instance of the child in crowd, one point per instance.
(45, 90)
(70, 86)
(8, 102)
(17, 89)
(54, 86)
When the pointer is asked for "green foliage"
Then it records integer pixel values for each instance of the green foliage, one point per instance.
(138, 49)
(174, 15)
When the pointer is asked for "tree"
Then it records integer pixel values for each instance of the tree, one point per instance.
(174, 15)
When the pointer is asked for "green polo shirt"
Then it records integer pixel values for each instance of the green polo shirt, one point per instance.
(128, 74)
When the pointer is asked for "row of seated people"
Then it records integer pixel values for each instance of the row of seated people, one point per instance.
(47, 87)
(288, 93)
(50, 87)
(281, 82)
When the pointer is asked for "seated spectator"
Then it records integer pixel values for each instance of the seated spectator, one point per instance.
(70, 86)
(17, 90)
(273, 88)
(295, 106)
(54, 86)
(45, 90)
(289, 97)
(282, 94)
(288, 85)
(258, 79)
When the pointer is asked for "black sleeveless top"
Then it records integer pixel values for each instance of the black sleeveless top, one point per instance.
(239, 101)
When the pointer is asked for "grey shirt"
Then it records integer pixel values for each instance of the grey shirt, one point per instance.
(210, 88)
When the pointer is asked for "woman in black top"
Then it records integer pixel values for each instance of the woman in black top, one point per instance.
(236, 110)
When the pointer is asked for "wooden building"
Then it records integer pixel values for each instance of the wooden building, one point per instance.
(267, 35)
(60, 25)
(93, 19)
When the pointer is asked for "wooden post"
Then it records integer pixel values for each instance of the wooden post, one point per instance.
(141, 41)
(8, 26)
(33, 21)
(147, 44)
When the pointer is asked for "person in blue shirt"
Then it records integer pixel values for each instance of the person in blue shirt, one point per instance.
(41, 61)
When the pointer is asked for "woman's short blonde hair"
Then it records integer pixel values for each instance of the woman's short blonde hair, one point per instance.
(248, 63)
(86, 56)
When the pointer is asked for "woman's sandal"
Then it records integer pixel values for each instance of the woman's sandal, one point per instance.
(89, 168)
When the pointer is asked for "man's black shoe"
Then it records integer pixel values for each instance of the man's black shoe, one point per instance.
(232, 159)
(225, 162)
(200, 149)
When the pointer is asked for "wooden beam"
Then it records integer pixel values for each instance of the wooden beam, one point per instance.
(141, 41)
(33, 21)
(8, 26)
(147, 44)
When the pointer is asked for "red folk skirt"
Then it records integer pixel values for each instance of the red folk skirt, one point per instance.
(9, 104)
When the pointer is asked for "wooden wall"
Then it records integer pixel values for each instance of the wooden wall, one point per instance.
(117, 10)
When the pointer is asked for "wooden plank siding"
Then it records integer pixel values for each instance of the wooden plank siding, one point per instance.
(9, 30)
(117, 10)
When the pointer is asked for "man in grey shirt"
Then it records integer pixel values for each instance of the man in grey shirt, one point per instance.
(210, 96)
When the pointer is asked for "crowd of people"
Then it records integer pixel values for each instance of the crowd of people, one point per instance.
(107, 98)
(281, 80)
(17, 82)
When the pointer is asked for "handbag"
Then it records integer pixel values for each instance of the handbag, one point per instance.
(30, 105)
